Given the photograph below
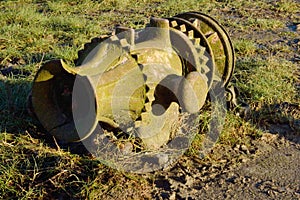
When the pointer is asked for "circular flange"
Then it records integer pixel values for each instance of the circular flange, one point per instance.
(187, 27)
(218, 39)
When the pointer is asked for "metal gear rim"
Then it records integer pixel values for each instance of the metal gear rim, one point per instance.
(203, 43)
(223, 36)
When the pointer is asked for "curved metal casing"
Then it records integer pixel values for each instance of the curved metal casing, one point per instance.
(121, 75)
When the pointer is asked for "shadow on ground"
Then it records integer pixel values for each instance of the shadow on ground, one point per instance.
(282, 119)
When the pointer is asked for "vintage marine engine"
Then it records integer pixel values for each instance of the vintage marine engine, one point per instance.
(135, 80)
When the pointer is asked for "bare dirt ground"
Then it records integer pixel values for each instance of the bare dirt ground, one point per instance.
(270, 169)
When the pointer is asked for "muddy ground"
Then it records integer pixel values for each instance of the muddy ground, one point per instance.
(270, 169)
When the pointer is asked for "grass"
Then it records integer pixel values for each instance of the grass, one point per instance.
(245, 47)
(33, 32)
(266, 81)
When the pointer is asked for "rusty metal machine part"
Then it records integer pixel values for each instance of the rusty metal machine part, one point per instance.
(147, 78)
(219, 41)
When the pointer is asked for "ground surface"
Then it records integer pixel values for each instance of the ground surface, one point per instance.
(268, 171)
(257, 157)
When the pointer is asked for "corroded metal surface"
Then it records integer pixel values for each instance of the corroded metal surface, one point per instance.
(135, 81)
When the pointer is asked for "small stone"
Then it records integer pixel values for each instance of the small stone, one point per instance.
(244, 180)
(298, 27)
(173, 196)
(189, 180)
(244, 148)
(126, 148)
(162, 159)
(237, 147)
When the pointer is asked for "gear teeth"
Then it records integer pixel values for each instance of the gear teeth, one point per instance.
(148, 106)
(200, 50)
(212, 37)
(138, 123)
(196, 41)
(204, 60)
(150, 96)
(199, 69)
(190, 34)
(205, 78)
(205, 69)
(182, 28)
(145, 117)
(173, 23)
(217, 78)
(114, 38)
(124, 43)
(196, 23)
(88, 47)
(150, 93)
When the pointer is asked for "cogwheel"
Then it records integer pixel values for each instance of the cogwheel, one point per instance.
(150, 88)
(122, 39)
(200, 43)
(154, 125)
(88, 47)
(218, 39)
(126, 37)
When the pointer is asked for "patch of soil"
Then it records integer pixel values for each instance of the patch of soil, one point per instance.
(270, 169)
